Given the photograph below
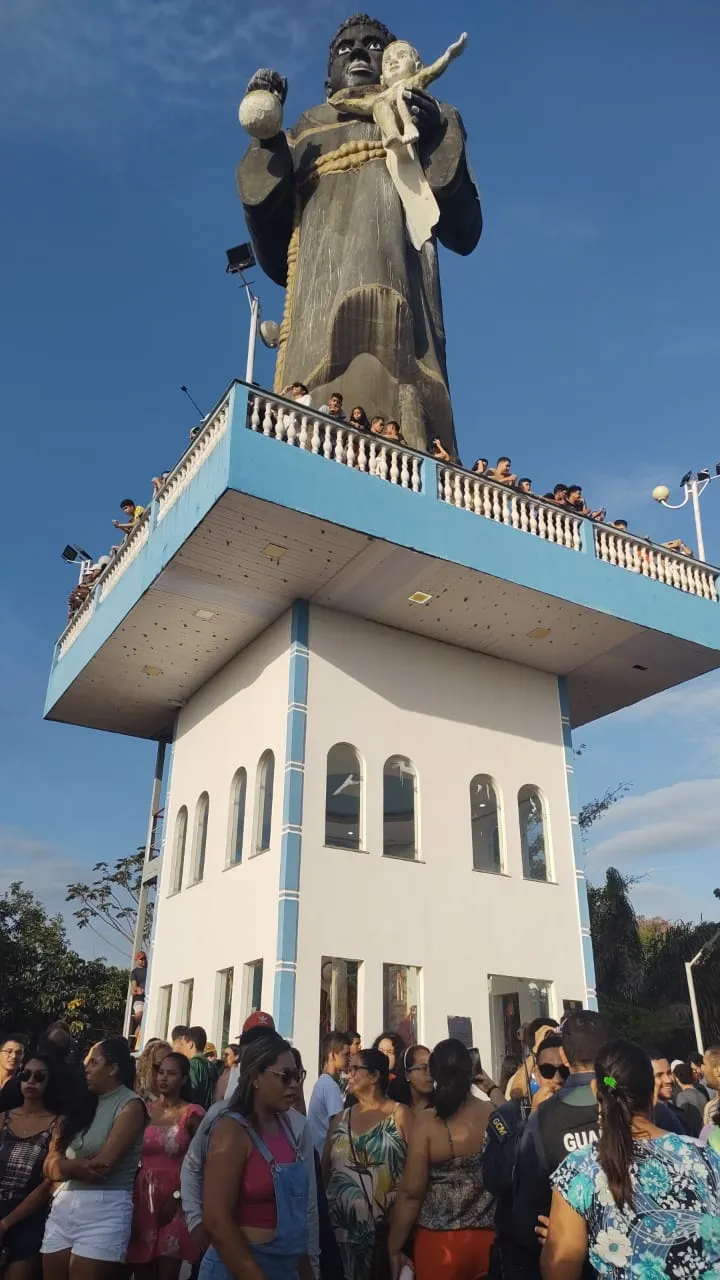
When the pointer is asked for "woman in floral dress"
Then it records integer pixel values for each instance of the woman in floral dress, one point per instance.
(160, 1240)
(364, 1159)
(640, 1203)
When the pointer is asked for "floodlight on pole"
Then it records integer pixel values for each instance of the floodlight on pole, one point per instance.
(239, 260)
(694, 485)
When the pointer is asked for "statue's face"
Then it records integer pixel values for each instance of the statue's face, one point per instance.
(356, 59)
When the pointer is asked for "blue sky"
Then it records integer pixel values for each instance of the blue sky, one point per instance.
(584, 336)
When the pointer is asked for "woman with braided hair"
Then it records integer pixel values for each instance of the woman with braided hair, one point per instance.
(640, 1201)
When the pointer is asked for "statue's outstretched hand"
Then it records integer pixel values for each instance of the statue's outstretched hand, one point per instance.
(266, 78)
(426, 114)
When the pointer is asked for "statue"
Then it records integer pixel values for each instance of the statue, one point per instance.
(363, 310)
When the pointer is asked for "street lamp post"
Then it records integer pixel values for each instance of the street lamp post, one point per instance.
(691, 989)
(239, 260)
(694, 486)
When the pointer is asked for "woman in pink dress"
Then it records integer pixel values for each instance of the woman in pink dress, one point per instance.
(160, 1240)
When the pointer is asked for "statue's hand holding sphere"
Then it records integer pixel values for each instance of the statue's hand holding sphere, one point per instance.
(261, 110)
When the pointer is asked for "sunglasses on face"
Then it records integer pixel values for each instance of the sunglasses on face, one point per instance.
(548, 1070)
(289, 1077)
(38, 1077)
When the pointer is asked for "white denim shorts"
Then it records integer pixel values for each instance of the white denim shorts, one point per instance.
(92, 1224)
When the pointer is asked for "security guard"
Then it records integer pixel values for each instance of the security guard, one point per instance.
(565, 1122)
(505, 1128)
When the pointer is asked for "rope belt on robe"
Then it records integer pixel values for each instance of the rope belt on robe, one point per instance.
(351, 155)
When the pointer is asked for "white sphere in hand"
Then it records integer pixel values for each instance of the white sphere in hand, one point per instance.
(261, 114)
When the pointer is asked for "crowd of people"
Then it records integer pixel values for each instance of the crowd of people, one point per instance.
(566, 496)
(591, 1156)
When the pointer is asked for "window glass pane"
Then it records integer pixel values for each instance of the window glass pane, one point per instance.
(342, 798)
(401, 998)
(179, 850)
(225, 993)
(252, 988)
(237, 817)
(399, 784)
(163, 1022)
(338, 995)
(485, 823)
(532, 833)
(186, 1001)
(201, 830)
(266, 780)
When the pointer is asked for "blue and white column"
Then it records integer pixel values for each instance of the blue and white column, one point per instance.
(578, 851)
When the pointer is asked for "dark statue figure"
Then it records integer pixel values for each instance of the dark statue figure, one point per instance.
(363, 310)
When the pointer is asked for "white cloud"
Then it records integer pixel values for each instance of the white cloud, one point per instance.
(679, 818)
(115, 65)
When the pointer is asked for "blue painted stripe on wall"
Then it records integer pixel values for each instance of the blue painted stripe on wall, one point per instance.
(578, 852)
(291, 840)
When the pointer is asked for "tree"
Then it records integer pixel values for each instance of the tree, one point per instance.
(45, 979)
(112, 900)
(594, 809)
(641, 982)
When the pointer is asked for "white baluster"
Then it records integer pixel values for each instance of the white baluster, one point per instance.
(486, 499)
(514, 513)
(362, 454)
(255, 415)
(339, 450)
(328, 440)
(267, 425)
(382, 463)
(416, 476)
(457, 490)
(394, 466)
(544, 524)
(533, 518)
(404, 471)
(315, 442)
(303, 436)
(523, 511)
(476, 496)
(351, 449)
(291, 425)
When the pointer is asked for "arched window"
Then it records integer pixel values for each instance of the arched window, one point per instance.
(202, 813)
(263, 812)
(533, 840)
(343, 797)
(485, 824)
(178, 856)
(399, 825)
(238, 793)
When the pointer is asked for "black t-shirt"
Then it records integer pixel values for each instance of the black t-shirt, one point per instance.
(139, 976)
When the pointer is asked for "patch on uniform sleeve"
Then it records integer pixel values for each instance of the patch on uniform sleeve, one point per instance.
(497, 1123)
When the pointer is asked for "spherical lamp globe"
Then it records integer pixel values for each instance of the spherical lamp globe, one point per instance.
(661, 493)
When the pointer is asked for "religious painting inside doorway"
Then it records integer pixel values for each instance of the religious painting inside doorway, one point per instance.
(400, 1001)
(338, 995)
(510, 1022)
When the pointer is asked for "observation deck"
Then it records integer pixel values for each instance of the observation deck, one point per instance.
(273, 502)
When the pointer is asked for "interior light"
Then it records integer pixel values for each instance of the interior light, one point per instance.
(273, 552)
(204, 614)
(420, 597)
(153, 671)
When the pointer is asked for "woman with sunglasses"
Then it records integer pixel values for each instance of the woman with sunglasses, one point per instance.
(88, 1230)
(27, 1134)
(160, 1240)
(363, 1162)
(413, 1086)
(259, 1198)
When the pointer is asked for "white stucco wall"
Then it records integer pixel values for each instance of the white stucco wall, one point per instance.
(230, 918)
(454, 714)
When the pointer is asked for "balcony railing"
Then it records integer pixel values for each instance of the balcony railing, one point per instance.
(304, 428)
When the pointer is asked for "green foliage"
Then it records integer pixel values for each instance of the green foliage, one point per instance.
(640, 973)
(111, 900)
(45, 979)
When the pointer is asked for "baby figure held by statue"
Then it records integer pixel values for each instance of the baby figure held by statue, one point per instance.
(402, 71)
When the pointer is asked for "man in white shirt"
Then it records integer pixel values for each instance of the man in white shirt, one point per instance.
(326, 1100)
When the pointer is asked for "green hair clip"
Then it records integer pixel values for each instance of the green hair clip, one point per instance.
(610, 1082)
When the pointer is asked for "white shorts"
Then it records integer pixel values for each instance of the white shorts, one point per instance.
(92, 1224)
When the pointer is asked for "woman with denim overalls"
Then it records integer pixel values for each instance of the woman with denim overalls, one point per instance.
(256, 1183)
